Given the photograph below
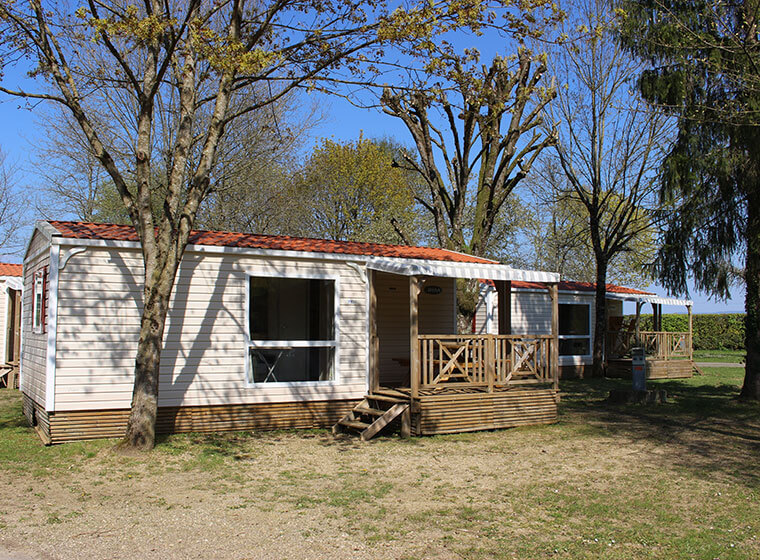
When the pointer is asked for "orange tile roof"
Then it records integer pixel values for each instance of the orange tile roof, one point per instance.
(8, 269)
(112, 232)
(570, 286)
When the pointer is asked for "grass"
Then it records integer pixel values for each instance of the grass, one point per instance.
(725, 356)
(677, 480)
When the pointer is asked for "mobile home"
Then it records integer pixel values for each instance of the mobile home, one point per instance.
(274, 332)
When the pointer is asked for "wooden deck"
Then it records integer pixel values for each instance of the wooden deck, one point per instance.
(669, 355)
(468, 409)
(656, 369)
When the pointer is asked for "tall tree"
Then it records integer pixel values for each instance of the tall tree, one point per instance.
(477, 135)
(253, 166)
(485, 144)
(13, 208)
(609, 145)
(351, 191)
(197, 62)
(556, 236)
(705, 70)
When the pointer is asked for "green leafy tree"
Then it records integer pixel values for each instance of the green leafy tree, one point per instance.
(351, 191)
(705, 60)
(156, 86)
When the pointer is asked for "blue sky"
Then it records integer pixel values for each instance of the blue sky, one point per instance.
(18, 132)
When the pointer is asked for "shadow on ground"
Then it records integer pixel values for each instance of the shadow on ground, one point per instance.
(703, 428)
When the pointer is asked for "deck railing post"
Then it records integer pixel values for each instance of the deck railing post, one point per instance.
(490, 343)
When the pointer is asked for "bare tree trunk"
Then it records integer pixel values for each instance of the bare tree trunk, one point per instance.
(141, 425)
(600, 320)
(751, 387)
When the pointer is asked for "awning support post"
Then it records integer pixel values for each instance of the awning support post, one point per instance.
(504, 291)
(691, 333)
(414, 349)
(554, 294)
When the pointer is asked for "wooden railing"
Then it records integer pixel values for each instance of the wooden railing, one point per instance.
(657, 344)
(485, 360)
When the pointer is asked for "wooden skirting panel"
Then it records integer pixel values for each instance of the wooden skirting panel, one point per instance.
(94, 424)
(656, 369)
(36, 415)
(445, 414)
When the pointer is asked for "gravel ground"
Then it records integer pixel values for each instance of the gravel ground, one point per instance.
(512, 494)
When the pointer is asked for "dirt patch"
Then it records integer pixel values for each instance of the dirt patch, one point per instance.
(610, 484)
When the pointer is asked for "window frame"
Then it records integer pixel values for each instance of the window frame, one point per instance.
(273, 344)
(570, 357)
(38, 297)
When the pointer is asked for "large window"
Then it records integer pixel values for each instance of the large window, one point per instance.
(292, 330)
(574, 329)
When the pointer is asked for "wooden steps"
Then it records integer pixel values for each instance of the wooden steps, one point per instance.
(374, 413)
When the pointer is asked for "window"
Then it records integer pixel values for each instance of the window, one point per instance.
(38, 303)
(574, 329)
(292, 329)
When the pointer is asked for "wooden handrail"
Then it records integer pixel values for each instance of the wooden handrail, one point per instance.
(487, 360)
(662, 345)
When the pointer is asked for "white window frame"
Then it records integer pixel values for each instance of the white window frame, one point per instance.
(38, 298)
(334, 343)
(571, 357)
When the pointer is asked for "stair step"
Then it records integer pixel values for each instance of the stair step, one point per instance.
(383, 398)
(355, 424)
(367, 410)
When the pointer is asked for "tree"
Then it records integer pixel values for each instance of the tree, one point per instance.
(558, 236)
(256, 167)
(74, 182)
(608, 146)
(254, 164)
(487, 144)
(139, 77)
(13, 208)
(489, 141)
(351, 191)
(704, 59)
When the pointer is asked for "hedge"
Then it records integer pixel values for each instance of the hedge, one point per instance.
(719, 331)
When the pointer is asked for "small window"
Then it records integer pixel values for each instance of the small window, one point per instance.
(38, 303)
(292, 330)
(574, 329)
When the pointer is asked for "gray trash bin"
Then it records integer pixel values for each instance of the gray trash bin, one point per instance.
(639, 369)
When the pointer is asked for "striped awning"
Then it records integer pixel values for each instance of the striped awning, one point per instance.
(651, 299)
(448, 269)
(14, 283)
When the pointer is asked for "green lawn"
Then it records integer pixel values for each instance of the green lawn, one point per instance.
(726, 356)
(678, 480)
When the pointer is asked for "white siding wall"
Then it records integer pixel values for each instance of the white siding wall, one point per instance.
(34, 346)
(3, 321)
(532, 313)
(203, 361)
(482, 310)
